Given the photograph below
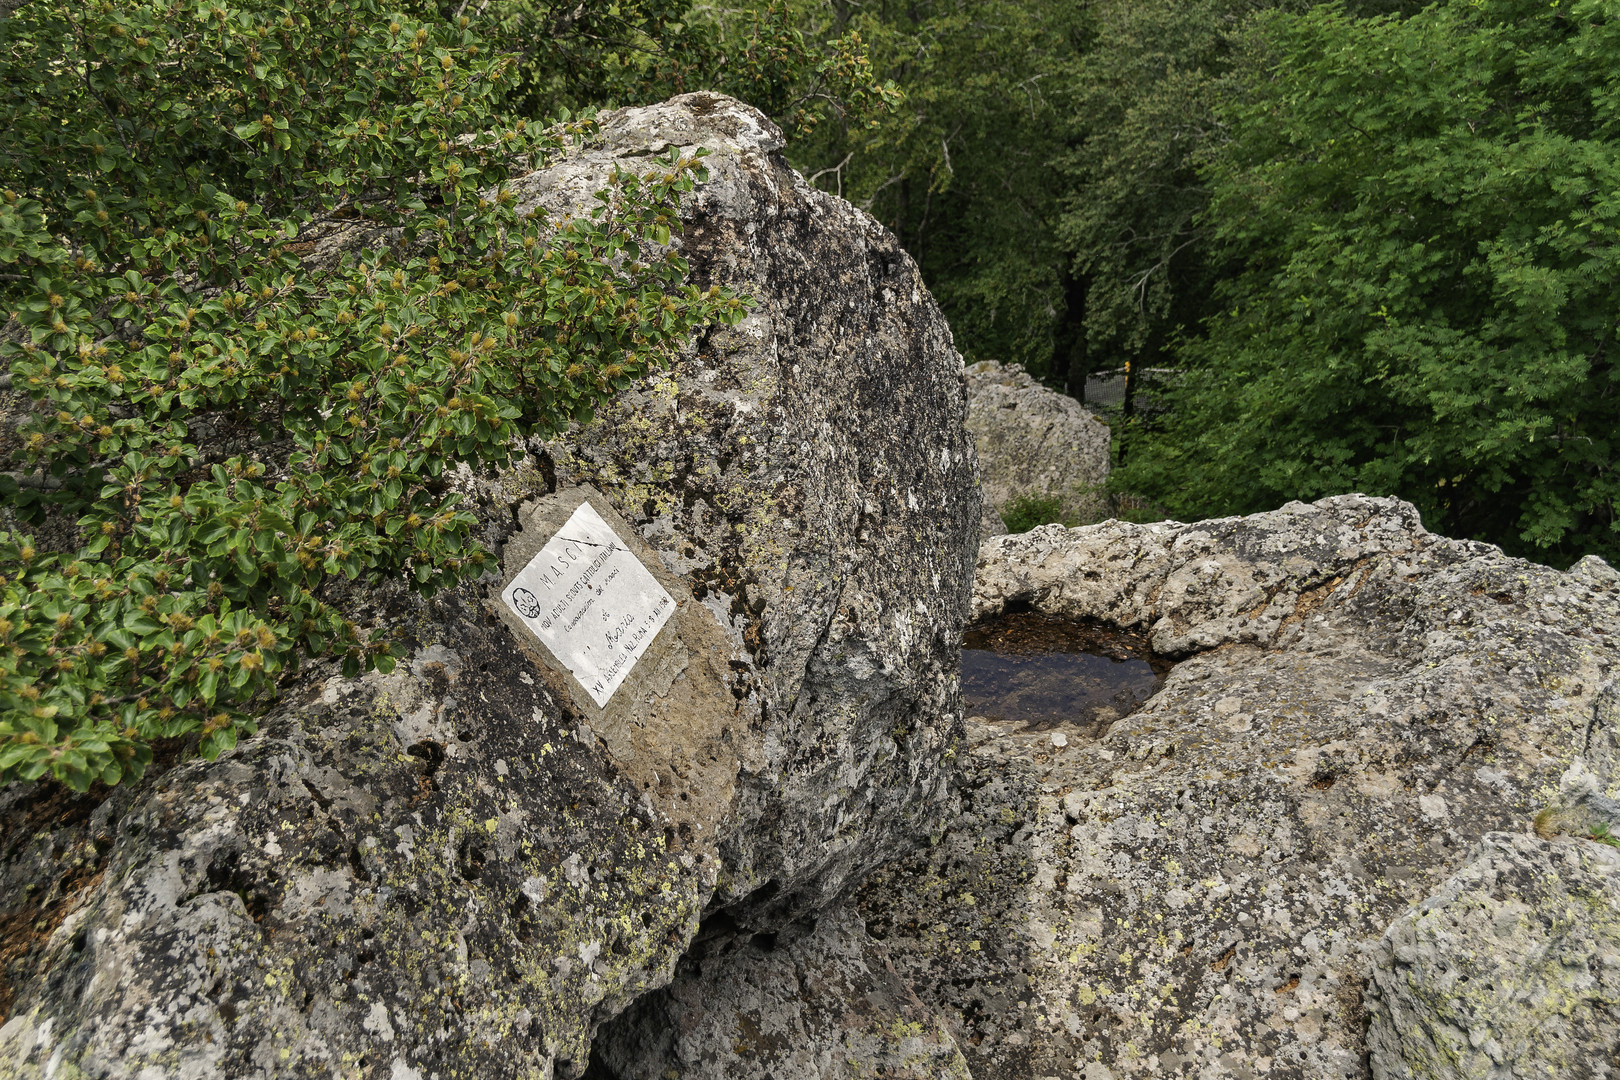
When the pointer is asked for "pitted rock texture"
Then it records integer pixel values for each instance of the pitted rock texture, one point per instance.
(427, 871)
(1033, 440)
(1511, 970)
(811, 1003)
(808, 473)
(456, 870)
(1201, 891)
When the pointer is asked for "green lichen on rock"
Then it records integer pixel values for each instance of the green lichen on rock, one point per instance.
(393, 874)
(1195, 893)
(1511, 969)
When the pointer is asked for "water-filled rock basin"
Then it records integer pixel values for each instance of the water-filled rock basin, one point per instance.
(1037, 673)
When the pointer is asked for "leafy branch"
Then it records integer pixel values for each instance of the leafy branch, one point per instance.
(164, 291)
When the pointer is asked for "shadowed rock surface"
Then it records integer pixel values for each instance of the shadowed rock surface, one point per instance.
(1201, 891)
(463, 868)
(1035, 441)
(817, 1003)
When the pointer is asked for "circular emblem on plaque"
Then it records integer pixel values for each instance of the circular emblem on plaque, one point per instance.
(525, 602)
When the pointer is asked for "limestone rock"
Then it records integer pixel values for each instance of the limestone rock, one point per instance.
(807, 474)
(463, 868)
(822, 1004)
(1512, 969)
(1035, 441)
(1200, 891)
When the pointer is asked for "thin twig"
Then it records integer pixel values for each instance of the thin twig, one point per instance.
(872, 198)
(837, 170)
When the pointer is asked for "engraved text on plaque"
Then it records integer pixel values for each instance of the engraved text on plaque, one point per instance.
(591, 601)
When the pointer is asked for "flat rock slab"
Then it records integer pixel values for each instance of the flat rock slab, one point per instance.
(1201, 891)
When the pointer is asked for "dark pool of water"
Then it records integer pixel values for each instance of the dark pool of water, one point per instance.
(1042, 673)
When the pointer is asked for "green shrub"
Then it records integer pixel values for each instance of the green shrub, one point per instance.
(235, 426)
(1025, 512)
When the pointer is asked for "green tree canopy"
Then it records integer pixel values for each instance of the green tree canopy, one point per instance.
(784, 57)
(961, 172)
(1421, 218)
(1141, 114)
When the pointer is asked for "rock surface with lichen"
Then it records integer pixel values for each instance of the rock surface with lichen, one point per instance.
(1202, 891)
(818, 1001)
(1035, 441)
(1511, 969)
(808, 473)
(464, 867)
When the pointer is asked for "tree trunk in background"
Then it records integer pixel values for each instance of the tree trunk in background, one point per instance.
(902, 214)
(1070, 365)
(1128, 409)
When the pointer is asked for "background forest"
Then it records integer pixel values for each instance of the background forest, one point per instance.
(1360, 246)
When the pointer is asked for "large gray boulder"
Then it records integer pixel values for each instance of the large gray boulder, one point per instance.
(1201, 891)
(1511, 970)
(1033, 440)
(463, 868)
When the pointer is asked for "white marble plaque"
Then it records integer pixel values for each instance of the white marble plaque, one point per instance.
(592, 602)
